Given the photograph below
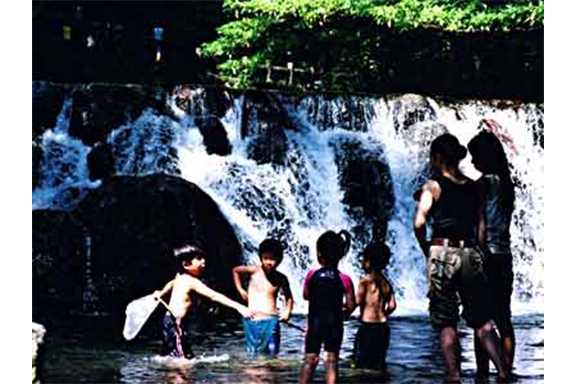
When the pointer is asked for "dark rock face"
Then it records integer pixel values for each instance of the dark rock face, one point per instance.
(263, 121)
(36, 160)
(101, 162)
(214, 134)
(57, 263)
(365, 178)
(98, 109)
(47, 100)
(202, 102)
(136, 222)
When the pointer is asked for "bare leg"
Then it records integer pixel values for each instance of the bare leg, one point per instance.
(331, 365)
(308, 368)
(482, 361)
(491, 343)
(451, 353)
(508, 340)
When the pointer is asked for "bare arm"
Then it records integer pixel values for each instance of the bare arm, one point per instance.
(167, 288)
(424, 206)
(158, 295)
(502, 135)
(361, 296)
(236, 274)
(285, 287)
(211, 294)
(306, 292)
(350, 303)
(481, 184)
(391, 307)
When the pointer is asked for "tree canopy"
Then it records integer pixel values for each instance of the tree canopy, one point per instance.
(342, 42)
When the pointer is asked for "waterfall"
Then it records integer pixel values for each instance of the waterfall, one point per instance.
(304, 196)
(89, 298)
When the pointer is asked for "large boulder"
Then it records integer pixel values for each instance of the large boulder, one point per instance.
(136, 222)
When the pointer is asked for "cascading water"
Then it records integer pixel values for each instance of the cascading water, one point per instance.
(408, 157)
(261, 200)
(302, 198)
(526, 156)
(63, 169)
(145, 146)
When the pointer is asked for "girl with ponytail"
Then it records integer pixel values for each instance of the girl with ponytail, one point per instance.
(325, 289)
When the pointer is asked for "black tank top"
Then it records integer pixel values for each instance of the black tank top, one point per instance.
(455, 213)
(326, 293)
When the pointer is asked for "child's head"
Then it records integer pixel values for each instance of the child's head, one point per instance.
(375, 257)
(271, 254)
(191, 259)
(332, 247)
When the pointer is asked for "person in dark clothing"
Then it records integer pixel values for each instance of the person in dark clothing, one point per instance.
(454, 264)
(497, 190)
(326, 288)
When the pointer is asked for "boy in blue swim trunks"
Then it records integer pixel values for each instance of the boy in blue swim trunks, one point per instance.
(263, 332)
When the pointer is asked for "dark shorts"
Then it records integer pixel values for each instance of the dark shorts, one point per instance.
(499, 275)
(176, 338)
(371, 346)
(456, 276)
(262, 336)
(324, 330)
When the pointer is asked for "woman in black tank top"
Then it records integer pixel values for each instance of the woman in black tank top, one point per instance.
(455, 213)
(454, 262)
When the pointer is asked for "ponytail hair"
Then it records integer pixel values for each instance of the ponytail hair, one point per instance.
(333, 246)
(346, 241)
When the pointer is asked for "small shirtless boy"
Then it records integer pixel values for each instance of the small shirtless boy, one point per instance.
(192, 260)
(376, 299)
(263, 333)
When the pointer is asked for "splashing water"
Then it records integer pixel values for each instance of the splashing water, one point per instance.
(301, 199)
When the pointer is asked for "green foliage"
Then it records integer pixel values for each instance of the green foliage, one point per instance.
(347, 34)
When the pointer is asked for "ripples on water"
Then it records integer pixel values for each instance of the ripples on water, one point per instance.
(75, 356)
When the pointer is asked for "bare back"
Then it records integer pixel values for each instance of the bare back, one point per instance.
(376, 298)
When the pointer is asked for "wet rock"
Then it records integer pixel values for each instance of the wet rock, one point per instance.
(100, 162)
(214, 134)
(47, 100)
(38, 332)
